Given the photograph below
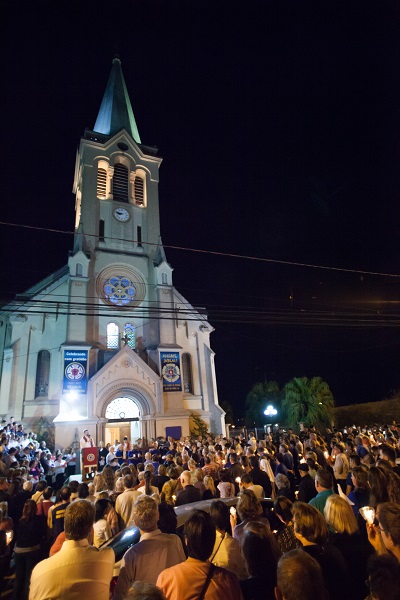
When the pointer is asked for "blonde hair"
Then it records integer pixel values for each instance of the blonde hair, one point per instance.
(339, 515)
(199, 474)
(209, 484)
(99, 483)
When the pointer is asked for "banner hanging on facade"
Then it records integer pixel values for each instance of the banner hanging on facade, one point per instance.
(171, 371)
(75, 371)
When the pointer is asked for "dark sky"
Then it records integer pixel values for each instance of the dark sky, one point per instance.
(278, 123)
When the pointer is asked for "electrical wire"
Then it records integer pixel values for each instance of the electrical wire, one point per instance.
(210, 252)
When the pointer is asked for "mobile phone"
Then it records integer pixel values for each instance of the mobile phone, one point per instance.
(233, 510)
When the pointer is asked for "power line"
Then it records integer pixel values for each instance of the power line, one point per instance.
(212, 252)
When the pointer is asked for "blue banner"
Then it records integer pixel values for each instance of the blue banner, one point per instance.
(171, 371)
(75, 371)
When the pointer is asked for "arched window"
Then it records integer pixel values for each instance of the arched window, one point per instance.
(101, 183)
(120, 183)
(139, 236)
(187, 373)
(42, 373)
(129, 334)
(164, 277)
(122, 408)
(112, 336)
(139, 190)
(78, 270)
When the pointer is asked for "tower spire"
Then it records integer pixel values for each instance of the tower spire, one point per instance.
(116, 110)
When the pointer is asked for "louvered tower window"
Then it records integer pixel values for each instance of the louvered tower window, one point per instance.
(120, 183)
(101, 183)
(42, 373)
(187, 373)
(139, 191)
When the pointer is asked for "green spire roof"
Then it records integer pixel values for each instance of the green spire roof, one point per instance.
(116, 111)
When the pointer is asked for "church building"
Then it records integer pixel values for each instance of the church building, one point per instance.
(107, 343)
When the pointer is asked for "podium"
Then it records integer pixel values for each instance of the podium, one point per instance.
(90, 458)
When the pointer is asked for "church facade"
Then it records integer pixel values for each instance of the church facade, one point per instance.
(107, 342)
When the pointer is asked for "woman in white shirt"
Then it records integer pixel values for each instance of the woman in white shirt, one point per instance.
(101, 528)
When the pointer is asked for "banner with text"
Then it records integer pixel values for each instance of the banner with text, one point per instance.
(75, 371)
(171, 371)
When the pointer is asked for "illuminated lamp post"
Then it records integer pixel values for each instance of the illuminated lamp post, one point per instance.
(270, 411)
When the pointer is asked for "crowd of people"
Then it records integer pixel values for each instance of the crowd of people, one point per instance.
(330, 529)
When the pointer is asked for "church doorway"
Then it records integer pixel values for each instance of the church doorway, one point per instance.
(123, 416)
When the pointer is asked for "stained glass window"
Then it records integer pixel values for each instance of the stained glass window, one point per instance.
(129, 333)
(112, 336)
(119, 290)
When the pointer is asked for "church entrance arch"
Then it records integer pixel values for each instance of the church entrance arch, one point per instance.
(123, 419)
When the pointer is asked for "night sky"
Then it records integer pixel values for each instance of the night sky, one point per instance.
(278, 124)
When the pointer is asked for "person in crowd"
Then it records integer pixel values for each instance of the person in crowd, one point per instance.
(70, 460)
(101, 527)
(249, 509)
(210, 491)
(261, 554)
(280, 466)
(27, 549)
(38, 495)
(383, 579)
(58, 512)
(285, 533)
(384, 533)
(340, 464)
(160, 478)
(125, 501)
(377, 481)
(323, 486)
(148, 488)
(234, 468)
(197, 574)
(226, 552)
(155, 551)
(225, 486)
(246, 483)
(244, 462)
(283, 487)
(311, 530)
(344, 535)
(109, 478)
(171, 487)
(307, 489)
(78, 570)
(361, 491)
(189, 493)
(299, 577)
(46, 502)
(142, 590)
(168, 522)
(259, 477)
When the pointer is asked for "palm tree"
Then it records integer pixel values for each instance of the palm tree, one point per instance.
(260, 395)
(308, 401)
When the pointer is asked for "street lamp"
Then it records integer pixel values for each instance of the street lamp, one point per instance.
(270, 411)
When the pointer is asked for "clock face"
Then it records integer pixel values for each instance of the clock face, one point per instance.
(121, 214)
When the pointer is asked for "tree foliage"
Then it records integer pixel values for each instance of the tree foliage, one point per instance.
(260, 395)
(308, 401)
(197, 426)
